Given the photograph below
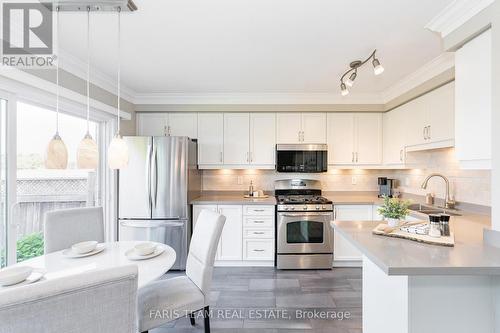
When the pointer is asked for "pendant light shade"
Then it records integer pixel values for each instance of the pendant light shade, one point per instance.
(118, 153)
(56, 156)
(87, 154)
(118, 150)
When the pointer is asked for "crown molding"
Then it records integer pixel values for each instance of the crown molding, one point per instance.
(433, 68)
(264, 98)
(456, 14)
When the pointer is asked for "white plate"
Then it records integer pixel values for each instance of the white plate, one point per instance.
(132, 255)
(34, 277)
(68, 253)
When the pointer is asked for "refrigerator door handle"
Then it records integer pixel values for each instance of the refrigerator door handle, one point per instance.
(148, 173)
(155, 176)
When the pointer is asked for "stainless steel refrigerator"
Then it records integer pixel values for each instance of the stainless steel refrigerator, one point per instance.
(155, 189)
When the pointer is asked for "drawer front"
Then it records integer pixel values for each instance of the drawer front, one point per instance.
(258, 210)
(258, 249)
(258, 233)
(258, 222)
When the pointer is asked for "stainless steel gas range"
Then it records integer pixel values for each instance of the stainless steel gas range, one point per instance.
(304, 236)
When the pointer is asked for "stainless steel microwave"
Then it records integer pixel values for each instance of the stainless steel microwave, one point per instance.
(310, 158)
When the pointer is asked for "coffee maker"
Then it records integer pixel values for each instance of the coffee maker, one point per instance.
(385, 186)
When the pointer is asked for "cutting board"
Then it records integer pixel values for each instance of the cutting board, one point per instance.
(443, 240)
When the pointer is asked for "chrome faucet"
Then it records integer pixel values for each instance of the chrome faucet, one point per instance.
(448, 202)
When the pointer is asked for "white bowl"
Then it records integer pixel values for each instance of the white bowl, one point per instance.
(143, 249)
(84, 247)
(14, 275)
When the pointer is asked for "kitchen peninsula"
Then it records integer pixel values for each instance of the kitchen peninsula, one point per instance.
(415, 287)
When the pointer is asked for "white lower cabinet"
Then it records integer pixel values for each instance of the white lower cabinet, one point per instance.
(248, 235)
(342, 248)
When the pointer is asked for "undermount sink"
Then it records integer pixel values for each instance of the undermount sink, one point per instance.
(431, 210)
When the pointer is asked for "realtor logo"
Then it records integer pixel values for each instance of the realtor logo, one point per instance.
(27, 28)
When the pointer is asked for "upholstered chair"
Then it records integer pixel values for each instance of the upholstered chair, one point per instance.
(94, 301)
(166, 300)
(65, 227)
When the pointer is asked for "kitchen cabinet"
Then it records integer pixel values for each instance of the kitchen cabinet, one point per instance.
(247, 238)
(152, 124)
(431, 118)
(236, 138)
(394, 135)
(230, 244)
(263, 140)
(173, 124)
(210, 138)
(354, 138)
(342, 249)
(473, 103)
(304, 127)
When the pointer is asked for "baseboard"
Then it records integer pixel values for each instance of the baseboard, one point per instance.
(241, 263)
(347, 263)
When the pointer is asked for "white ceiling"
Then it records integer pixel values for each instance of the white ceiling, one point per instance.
(257, 46)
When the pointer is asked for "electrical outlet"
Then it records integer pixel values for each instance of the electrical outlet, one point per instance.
(240, 180)
(353, 180)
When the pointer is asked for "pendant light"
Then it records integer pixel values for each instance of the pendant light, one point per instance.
(87, 155)
(56, 156)
(118, 150)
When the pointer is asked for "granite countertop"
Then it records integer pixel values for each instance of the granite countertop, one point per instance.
(469, 256)
(230, 198)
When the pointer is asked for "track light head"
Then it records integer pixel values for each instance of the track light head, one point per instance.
(350, 81)
(377, 67)
(343, 89)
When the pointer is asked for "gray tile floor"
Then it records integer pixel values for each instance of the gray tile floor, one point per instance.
(266, 300)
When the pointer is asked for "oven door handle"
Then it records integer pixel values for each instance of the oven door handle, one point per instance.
(308, 214)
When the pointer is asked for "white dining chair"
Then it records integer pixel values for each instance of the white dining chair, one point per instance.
(94, 301)
(166, 300)
(65, 227)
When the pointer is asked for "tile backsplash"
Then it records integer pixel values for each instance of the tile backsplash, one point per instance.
(471, 186)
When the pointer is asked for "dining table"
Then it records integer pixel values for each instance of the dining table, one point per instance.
(57, 265)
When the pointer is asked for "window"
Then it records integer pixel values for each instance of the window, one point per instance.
(39, 189)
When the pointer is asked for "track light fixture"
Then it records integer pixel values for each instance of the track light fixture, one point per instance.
(353, 72)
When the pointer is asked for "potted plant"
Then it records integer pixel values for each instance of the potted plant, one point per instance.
(393, 210)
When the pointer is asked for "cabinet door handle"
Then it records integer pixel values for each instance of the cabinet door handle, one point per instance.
(352, 157)
(401, 155)
(165, 130)
(356, 157)
(221, 157)
(258, 210)
(169, 131)
(251, 157)
(429, 132)
(258, 250)
(248, 158)
(258, 221)
(258, 233)
(424, 133)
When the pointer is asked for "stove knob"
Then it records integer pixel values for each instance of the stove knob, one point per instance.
(318, 207)
(323, 207)
(292, 208)
(305, 207)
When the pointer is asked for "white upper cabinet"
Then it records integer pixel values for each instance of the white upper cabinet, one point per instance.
(340, 138)
(183, 124)
(289, 127)
(354, 138)
(210, 138)
(432, 118)
(313, 127)
(262, 139)
(369, 138)
(394, 135)
(473, 103)
(236, 138)
(164, 124)
(152, 124)
(304, 127)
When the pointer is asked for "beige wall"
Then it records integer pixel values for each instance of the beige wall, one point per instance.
(466, 185)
